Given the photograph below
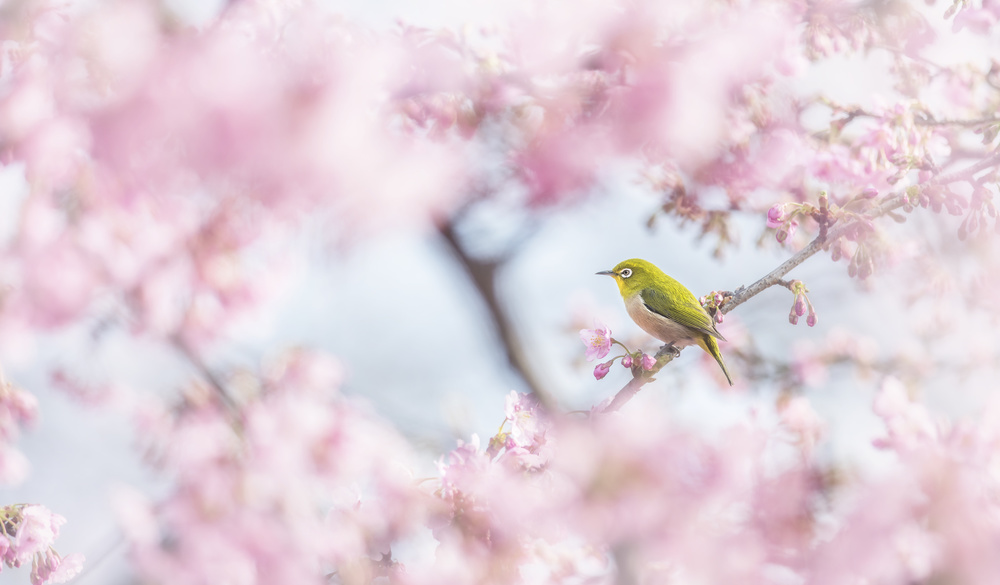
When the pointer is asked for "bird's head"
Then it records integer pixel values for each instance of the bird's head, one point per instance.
(632, 275)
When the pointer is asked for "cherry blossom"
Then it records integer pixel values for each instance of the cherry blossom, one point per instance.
(597, 340)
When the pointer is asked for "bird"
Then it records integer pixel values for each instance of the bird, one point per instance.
(666, 309)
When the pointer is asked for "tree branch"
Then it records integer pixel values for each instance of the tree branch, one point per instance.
(890, 203)
(482, 273)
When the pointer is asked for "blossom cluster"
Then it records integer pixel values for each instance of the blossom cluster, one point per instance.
(17, 408)
(292, 482)
(598, 342)
(656, 502)
(27, 532)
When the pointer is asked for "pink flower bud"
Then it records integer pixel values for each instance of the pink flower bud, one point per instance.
(648, 362)
(627, 361)
(776, 216)
(869, 192)
(602, 370)
(793, 318)
(800, 305)
(781, 236)
(811, 320)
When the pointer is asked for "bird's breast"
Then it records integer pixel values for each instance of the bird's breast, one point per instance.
(657, 325)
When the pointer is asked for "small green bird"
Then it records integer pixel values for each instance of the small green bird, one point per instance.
(665, 308)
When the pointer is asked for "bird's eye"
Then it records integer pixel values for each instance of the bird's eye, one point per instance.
(626, 272)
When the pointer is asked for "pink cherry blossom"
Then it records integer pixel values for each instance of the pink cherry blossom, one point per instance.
(908, 423)
(800, 418)
(597, 340)
(63, 569)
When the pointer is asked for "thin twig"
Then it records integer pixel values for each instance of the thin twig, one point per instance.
(891, 203)
(213, 380)
(626, 393)
(641, 377)
(973, 122)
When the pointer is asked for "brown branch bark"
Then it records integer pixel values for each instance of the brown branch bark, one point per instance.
(482, 273)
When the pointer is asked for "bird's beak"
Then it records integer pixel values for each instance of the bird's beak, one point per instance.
(607, 272)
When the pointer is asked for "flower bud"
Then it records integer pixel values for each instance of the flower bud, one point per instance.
(648, 362)
(793, 318)
(866, 269)
(776, 216)
(811, 320)
(627, 361)
(869, 192)
(602, 370)
(800, 305)
(781, 236)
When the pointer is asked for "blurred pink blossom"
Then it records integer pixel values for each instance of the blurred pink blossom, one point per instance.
(908, 423)
(799, 417)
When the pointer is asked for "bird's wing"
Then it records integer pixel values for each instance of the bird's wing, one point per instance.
(687, 314)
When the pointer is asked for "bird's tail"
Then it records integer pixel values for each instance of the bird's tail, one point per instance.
(709, 344)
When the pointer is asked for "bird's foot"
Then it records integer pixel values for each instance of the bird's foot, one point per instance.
(669, 348)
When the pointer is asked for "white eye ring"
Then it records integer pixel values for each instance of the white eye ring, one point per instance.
(626, 272)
